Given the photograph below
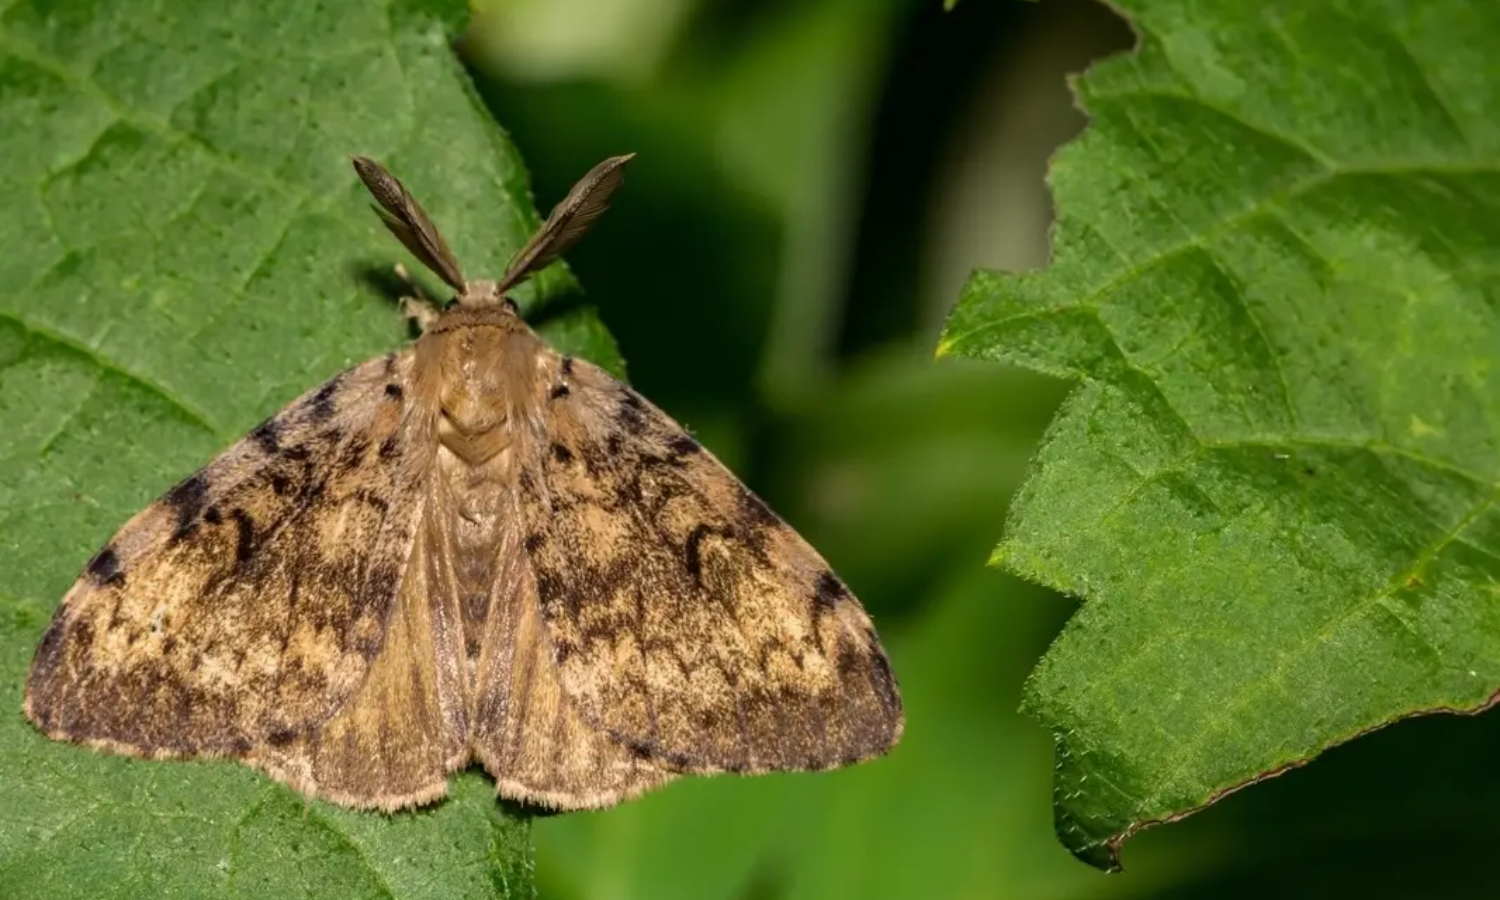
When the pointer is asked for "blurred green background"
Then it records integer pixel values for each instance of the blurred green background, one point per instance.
(816, 179)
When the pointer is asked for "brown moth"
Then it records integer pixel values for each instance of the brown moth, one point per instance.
(473, 549)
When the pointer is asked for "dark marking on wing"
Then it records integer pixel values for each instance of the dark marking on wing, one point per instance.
(49, 650)
(322, 407)
(632, 413)
(268, 435)
(756, 513)
(683, 445)
(885, 679)
(390, 448)
(104, 568)
(549, 590)
(565, 371)
(394, 391)
(829, 591)
(692, 550)
(244, 546)
(353, 453)
(187, 500)
(213, 516)
(561, 453)
(374, 501)
(847, 660)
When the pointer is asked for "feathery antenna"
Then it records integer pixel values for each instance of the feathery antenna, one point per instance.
(568, 221)
(405, 218)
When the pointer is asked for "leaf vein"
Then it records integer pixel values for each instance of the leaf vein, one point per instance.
(1248, 691)
(194, 415)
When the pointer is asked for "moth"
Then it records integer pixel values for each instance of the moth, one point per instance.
(474, 549)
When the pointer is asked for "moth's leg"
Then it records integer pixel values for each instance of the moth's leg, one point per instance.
(416, 305)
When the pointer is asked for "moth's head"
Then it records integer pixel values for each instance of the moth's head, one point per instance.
(486, 294)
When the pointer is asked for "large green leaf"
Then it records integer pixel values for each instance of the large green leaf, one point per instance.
(1274, 274)
(186, 249)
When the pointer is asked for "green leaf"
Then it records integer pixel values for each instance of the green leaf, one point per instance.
(1274, 274)
(187, 249)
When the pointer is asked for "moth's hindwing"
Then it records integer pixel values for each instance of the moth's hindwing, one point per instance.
(526, 732)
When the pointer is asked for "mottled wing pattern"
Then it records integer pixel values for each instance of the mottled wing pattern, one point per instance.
(526, 732)
(243, 608)
(394, 741)
(686, 620)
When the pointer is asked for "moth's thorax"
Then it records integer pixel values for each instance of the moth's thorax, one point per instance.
(480, 365)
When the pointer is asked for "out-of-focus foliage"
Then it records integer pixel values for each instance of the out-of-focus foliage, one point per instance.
(815, 181)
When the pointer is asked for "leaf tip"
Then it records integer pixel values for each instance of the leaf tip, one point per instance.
(1104, 856)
